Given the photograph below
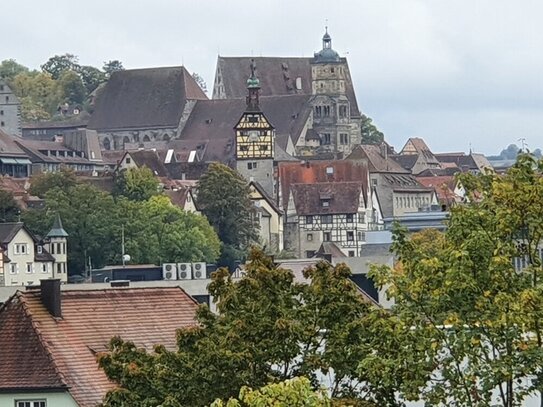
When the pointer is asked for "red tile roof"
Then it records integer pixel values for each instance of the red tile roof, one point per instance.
(317, 171)
(63, 351)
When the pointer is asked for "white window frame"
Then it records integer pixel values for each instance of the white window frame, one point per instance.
(19, 246)
(44, 268)
(29, 270)
(31, 403)
(13, 268)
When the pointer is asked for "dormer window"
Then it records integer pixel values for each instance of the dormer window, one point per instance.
(40, 249)
(325, 203)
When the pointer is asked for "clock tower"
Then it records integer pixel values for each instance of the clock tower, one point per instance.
(255, 139)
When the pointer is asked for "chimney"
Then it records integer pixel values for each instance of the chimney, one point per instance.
(50, 296)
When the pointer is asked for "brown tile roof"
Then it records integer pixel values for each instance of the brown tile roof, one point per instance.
(444, 187)
(310, 172)
(377, 162)
(25, 356)
(149, 159)
(342, 197)
(65, 349)
(277, 76)
(144, 98)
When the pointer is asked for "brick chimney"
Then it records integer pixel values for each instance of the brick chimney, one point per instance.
(50, 296)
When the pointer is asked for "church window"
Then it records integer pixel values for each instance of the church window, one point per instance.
(343, 138)
(318, 111)
(107, 144)
(326, 111)
(326, 138)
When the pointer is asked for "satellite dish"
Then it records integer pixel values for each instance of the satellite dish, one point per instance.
(126, 257)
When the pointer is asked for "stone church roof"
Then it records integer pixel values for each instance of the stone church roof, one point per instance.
(144, 98)
(277, 76)
(212, 123)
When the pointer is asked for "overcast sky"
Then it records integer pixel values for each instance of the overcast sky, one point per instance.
(454, 72)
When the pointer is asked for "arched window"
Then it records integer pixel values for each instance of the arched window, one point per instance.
(126, 140)
(107, 144)
(146, 138)
(166, 137)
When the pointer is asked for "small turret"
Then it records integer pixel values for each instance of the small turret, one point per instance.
(57, 247)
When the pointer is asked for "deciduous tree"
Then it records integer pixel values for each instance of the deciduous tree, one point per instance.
(370, 133)
(268, 329)
(137, 184)
(224, 198)
(475, 318)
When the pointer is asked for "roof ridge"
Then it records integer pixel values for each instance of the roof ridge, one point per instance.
(21, 296)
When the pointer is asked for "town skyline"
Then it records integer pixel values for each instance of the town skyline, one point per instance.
(455, 78)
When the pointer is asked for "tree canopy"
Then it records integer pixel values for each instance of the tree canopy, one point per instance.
(155, 230)
(61, 80)
(9, 210)
(268, 329)
(224, 198)
(470, 316)
(137, 184)
(369, 131)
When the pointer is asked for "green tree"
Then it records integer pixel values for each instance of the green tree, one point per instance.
(224, 198)
(370, 133)
(86, 214)
(9, 210)
(40, 184)
(9, 69)
(71, 88)
(137, 184)
(268, 329)
(112, 66)
(92, 77)
(470, 314)
(59, 64)
(38, 95)
(295, 392)
(157, 231)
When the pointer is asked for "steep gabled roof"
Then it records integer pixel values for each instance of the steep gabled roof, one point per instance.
(26, 361)
(310, 172)
(376, 160)
(341, 197)
(149, 159)
(47, 352)
(144, 98)
(8, 230)
(277, 76)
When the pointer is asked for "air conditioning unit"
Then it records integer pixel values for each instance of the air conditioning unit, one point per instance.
(169, 271)
(184, 271)
(199, 271)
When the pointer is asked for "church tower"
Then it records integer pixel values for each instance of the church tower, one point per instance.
(10, 110)
(255, 139)
(57, 246)
(331, 106)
